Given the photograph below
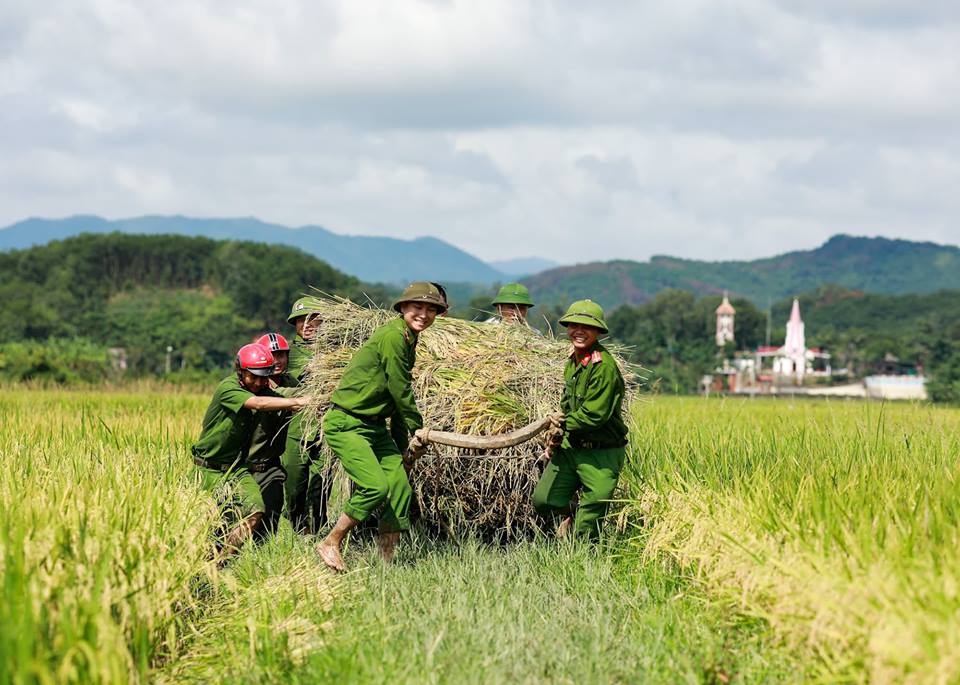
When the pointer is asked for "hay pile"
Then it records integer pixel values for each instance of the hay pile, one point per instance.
(470, 378)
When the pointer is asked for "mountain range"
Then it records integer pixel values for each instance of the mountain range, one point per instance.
(876, 265)
(372, 259)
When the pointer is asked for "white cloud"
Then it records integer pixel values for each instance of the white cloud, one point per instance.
(567, 130)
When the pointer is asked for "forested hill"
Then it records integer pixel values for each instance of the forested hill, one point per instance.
(369, 258)
(877, 265)
(202, 297)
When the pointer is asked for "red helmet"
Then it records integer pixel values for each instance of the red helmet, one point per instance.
(274, 342)
(256, 359)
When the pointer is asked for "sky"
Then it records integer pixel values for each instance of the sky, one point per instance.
(573, 131)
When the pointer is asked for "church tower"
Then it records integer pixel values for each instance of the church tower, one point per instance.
(725, 314)
(795, 345)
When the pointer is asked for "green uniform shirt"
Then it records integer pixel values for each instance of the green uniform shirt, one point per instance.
(377, 382)
(270, 433)
(227, 426)
(269, 436)
(301, 352)
(592, 399)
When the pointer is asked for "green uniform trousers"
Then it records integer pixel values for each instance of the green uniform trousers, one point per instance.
(236, 490)
(596, 470)
(305, 497)
(270, 483)
(372, 460)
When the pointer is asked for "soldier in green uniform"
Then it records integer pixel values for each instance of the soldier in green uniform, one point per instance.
(512, 302)
(594, 441)
(221, 452)
(304, 493)
(376, 386)
(269, 438)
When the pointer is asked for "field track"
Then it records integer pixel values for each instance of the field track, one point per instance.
(764, 541)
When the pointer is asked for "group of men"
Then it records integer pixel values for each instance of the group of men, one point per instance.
(255, 448)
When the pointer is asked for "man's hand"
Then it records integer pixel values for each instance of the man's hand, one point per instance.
(300, 402)
(554, 435)
(416, 449)
(557, 419)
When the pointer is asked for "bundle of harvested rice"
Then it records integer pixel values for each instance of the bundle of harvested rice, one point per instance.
(470, 378)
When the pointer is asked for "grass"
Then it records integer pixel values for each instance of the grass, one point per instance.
(771, 542)
(535, 612)
(468, 613)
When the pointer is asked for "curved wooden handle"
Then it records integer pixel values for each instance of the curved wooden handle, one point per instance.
(485, 442)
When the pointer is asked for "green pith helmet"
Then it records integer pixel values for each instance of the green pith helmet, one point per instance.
(513, 293)
(422, 291)
(304, 306)
(586, 312)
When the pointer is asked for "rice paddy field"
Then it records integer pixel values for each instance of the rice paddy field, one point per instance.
(756, 541)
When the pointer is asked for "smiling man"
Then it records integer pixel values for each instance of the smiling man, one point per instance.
(591, 453)
(376, 386)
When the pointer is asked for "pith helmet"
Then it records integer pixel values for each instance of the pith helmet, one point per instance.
(513, 293)
(422, 291)
(586, 312)
(304, 306)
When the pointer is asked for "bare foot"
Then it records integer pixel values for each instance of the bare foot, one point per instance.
(388, 544)
(330, 554)
(222, 555)
(563, 530)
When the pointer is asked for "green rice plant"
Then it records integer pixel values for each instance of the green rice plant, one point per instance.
(835, 522)
(102, 536)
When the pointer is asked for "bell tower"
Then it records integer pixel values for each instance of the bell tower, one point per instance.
(725, 314)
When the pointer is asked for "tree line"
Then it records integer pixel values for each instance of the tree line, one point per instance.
(65, 303)
(147, 293)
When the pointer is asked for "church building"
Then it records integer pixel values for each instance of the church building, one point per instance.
(789, 363)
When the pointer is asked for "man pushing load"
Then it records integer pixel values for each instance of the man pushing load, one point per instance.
(591, 451)
(305, 495)
(376, 386)
(221, 452)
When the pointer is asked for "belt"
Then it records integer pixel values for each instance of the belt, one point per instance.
(252, 466)
(374, 420)
(596, 444)
(261, 466)
(215, 466)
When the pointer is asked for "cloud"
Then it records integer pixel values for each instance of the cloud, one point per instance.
(566, 130)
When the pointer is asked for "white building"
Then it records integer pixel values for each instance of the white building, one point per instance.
(793, 359)
(790, 363)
